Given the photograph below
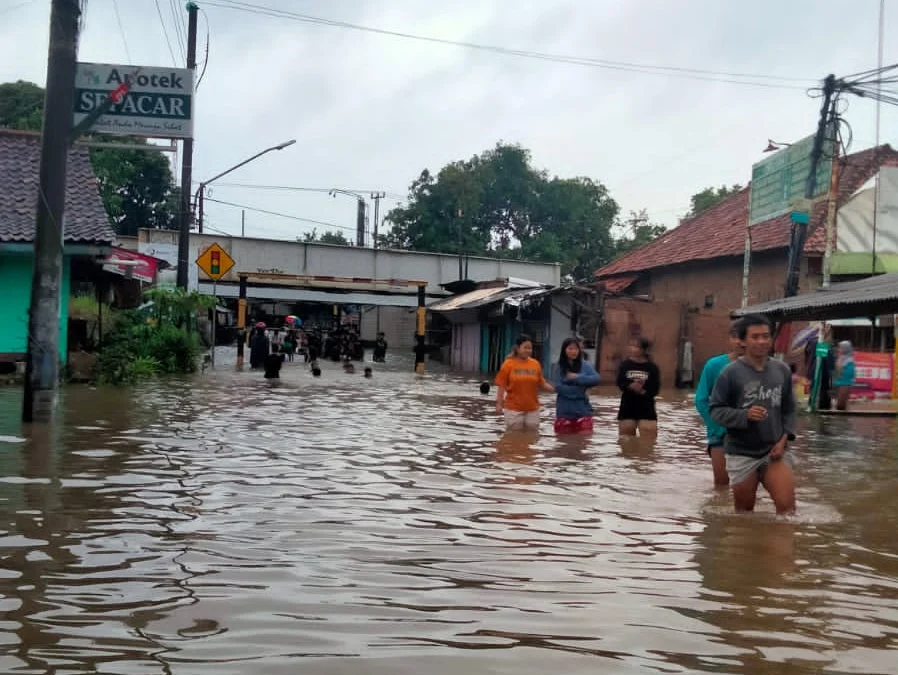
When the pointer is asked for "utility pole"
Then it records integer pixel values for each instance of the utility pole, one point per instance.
(376, 196)
(42, 360)
(186, 164)
(800, 220)
(360, 223)
(243, 223)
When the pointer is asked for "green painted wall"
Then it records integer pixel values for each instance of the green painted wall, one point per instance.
(15, 295)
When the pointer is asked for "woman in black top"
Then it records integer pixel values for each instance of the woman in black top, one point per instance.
(639, 381)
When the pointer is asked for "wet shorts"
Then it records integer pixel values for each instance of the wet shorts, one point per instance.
(515, 419)
(572, 426)
(740, 467)
(637, 409)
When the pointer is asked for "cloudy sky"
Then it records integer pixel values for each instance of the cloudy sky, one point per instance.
(369, 111)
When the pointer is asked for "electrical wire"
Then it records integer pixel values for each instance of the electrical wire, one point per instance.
(6, 10)
(121, 28)
(165, 32)
(180, 31)
(206, 56)
(755, 80)
(281, 215)
(290, 188)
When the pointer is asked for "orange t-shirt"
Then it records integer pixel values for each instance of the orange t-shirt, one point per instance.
(521, 380)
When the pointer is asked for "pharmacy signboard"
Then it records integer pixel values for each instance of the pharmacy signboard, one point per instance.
(152, 102)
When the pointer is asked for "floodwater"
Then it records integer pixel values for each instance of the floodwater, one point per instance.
(224, 525)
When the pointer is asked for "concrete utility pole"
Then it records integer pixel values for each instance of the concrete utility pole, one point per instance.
(42, 360)
(376, 196)
(186, 164)
(360, 224)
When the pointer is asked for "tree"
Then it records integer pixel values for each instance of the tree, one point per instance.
(496, 203)
(332, 237)
(638, 231)
(135, 185)
(701, 201)
(21, 106)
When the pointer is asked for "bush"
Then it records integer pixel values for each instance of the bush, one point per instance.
(137, 350)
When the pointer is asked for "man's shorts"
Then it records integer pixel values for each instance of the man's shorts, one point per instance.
(740, 467)
(573, 426)
(521, 420)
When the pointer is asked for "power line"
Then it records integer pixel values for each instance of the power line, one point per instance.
(755, 80)
(121, 28)
(6, 10)
(291, 188)
(180, 29)
(165, 32)
(281, 215)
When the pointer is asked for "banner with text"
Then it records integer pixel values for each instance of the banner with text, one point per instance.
(158, 102)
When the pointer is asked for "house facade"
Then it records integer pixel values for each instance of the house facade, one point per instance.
(697, 269)
(487, 320)
(87, 234)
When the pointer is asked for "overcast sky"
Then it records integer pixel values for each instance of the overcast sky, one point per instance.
(370, 111)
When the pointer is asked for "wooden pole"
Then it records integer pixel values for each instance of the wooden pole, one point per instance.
(42, 351)
(186, 165)
(241, 322)
(420, 334)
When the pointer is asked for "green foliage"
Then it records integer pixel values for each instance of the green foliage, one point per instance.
(496, 203)
(177, 307)
(701, 201)
(84, 307)
(142, 345)
(136, 185)
(331, 237)
(21, 106)
(638, 231)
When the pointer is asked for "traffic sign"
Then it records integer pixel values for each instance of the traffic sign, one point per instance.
(822, 349)
(215, 262)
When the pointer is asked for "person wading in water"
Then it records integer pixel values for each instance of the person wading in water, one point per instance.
(519, 380)
(572, 377)
(639, 380)
(715, 432)
(754, 402)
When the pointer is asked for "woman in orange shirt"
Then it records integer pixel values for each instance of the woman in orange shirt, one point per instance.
(519, 380)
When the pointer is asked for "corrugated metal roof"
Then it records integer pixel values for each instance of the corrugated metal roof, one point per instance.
(475, 298)
(866, 297)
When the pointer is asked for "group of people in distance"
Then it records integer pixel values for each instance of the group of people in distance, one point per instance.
(520, 380)
(744, 396)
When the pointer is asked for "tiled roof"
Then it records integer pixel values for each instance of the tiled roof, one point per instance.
(618, 284)
(720, 230)
(85, 217)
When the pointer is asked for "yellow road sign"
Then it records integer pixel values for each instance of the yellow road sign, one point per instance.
(215, 262)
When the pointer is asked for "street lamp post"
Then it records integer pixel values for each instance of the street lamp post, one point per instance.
(201, 190)
(360, 217)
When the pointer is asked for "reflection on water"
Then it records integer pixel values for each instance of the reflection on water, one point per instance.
(228, 525)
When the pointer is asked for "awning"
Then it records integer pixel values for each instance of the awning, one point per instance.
(873, 296)
(142, 267)
(282, 293)
(513, 297)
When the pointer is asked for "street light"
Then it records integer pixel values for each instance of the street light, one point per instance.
(360, 218)
(773, 146)
(201, 190)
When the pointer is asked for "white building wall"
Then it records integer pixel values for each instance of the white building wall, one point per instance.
(397, 324)
(287, 257)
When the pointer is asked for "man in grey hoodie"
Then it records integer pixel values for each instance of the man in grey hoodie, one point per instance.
(754, 401)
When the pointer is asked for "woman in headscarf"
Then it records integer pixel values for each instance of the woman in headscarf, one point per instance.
(844, 374)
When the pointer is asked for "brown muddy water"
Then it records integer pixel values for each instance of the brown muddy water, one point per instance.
(224, 525)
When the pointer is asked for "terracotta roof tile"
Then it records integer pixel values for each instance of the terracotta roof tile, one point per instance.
(85, 217)
(618, 284)
(720, 230)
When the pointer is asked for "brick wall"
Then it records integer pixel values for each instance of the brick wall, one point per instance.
(628, 318)
(685, 291)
